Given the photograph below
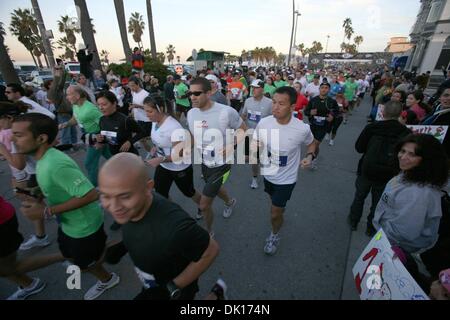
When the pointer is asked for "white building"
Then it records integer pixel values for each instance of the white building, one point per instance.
(430, 36)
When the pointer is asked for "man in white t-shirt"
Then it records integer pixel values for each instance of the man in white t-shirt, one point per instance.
(313, 89)
(15, 92)
(300, 78)
(255, 109)
(363, 85)
(137, 108)
(279, 138)
(208, 123)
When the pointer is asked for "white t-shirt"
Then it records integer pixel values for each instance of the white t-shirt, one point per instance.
(281, 154)
(163, 139)
(36, 107)
(219, 118)
(119, 95)
(313, 90)
(138, 98)
(256, 110)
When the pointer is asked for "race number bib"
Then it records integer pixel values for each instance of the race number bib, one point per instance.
(319, 121)
(110, 136)
(254, 116)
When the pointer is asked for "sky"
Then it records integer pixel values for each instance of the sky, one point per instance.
(231, 25)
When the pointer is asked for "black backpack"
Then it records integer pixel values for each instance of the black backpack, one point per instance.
(380, 161)
(437, 258)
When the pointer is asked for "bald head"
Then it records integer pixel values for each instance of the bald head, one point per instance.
(125, 187)
(126, 166)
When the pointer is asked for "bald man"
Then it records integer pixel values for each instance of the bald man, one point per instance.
(169, 250)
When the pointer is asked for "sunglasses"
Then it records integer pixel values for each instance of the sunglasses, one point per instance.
(196, 93)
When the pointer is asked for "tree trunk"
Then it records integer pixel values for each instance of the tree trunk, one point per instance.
(6, 65)
(40, 62)
(120, 12)
(88, 33)
(46, 42)
(34, 59)
(151, 29)
(46, 61)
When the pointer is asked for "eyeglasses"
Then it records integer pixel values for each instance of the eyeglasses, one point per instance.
(196, 93)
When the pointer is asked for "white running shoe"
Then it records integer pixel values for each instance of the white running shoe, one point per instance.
(33, 242)
(254, 184)
(22, 293)
(327, 137)
(220, 289)
(198, 215)
(228, 211)
(271, 244)
(331, 143)
(99, 288)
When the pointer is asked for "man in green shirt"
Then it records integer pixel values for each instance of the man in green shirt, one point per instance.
(87, 116)
(351, 86)
(181, 90)
(69, 196)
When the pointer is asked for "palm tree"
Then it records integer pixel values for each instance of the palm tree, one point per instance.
(178, 59)
(301, 48)
(161, 57)
(104, 54)
(65, 26)
(136, 26)
(358, 41)
(151, 29)
(88, 33)
(37, 53)
(170, 51)
(120, 12)
(64, 44)
(23, 26)
(349, 33)
(6, 65)
(346, 25)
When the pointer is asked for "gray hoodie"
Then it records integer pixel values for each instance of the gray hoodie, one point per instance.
(410, 214)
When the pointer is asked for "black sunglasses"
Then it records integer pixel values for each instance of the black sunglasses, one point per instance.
(196, 93)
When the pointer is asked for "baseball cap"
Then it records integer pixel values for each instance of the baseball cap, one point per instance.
(257, 84)
(236, 73)
(291, 77)
(29, 84)
(316, 76)
(340, 90)
(211, 77)
(325, 84)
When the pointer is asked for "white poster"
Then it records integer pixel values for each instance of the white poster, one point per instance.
(438, 132)
(380, 276)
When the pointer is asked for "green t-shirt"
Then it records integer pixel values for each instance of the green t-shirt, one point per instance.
(180, 90)
(269, 89)
(281, 83)
(88, 116)
(310, 78)
(350, 90)
(60, 180)
(244, 82)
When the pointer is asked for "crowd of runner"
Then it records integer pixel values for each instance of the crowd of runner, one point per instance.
(212, 116)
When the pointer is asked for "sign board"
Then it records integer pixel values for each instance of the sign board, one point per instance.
(379, 275)
(438, 132)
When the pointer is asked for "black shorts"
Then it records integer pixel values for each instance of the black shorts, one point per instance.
(10, 237)
(85, 252)
(183, 179)
(214, 179)
(247, 148)
(361, 95)
(146, 127)
(280, 194)
(319, 132)
(160, 293)
(182, 109)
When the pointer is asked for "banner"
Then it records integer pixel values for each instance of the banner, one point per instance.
(380, 276)
(438, 132)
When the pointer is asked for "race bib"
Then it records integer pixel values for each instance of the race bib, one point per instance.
(148, 280)
(319, 121)
(278, 160)
(209, 154)
(254, 116)
(110, 136)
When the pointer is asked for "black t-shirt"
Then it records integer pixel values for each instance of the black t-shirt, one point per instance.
(118, 129)
(324, 108)
(164, 242)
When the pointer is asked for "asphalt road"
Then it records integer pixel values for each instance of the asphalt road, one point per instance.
(316, 252)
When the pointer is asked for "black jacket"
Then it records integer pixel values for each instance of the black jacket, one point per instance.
(388, 127)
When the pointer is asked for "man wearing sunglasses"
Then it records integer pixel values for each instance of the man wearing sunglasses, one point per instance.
(206, 120)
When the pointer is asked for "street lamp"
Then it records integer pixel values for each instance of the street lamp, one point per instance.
(328, 39)
(298, 14)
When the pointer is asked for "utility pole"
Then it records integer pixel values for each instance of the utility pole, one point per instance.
(292, 33)
(43, 31)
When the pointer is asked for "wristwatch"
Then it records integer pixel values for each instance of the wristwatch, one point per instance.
(174, 291)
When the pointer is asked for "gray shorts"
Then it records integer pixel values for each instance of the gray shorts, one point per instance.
(214, 179)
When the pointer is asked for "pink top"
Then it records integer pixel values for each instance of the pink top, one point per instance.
(420, 113)
(5, 138)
